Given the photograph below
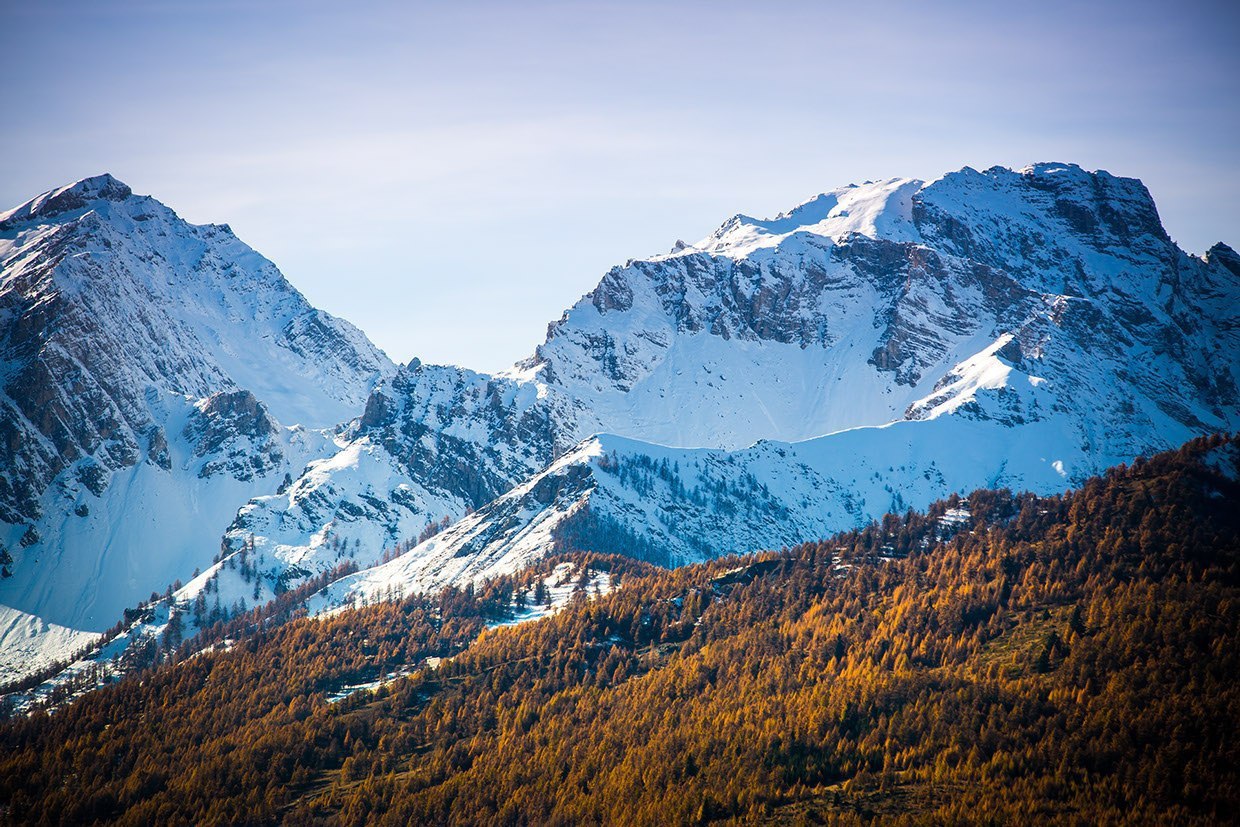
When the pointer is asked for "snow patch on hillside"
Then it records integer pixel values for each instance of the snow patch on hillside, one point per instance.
(29, 643)
(561, 585)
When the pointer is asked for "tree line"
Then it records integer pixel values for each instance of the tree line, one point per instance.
(1068, 659)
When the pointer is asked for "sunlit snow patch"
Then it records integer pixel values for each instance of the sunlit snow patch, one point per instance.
(563, 582)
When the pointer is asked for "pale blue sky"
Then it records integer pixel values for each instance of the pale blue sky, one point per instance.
(451, 176)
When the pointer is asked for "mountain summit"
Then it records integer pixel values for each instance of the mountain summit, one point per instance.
(130, 341)
(75, 196)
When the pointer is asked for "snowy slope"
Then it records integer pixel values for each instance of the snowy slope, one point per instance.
(852, 307)
(676, 505)
(1001, 428)
(874, 348)
(432, 443)
(1023, 328)
(153, 376)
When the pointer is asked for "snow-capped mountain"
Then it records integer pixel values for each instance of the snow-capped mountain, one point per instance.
(1025, 328)
(154, 375)
(873, 349)
(854, 306)
(763, 333)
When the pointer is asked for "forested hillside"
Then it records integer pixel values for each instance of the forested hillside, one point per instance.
(1005, 659)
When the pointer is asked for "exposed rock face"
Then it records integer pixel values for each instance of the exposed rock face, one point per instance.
(1224, 255)
(233, 430)
(144, 365)
(467, 433)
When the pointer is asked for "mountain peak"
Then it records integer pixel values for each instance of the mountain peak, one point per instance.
(877, 209)
(1224, 255)
(102, 187)
(1052, 168)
